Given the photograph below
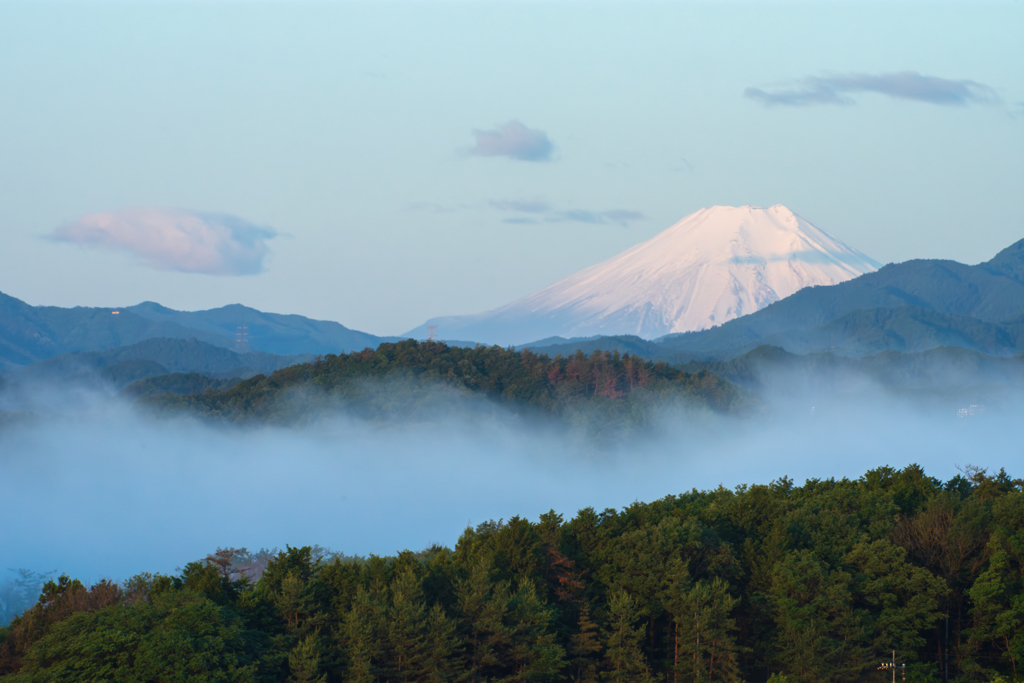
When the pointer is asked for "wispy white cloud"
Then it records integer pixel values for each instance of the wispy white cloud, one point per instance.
(522, 205)
(539, 211)
(905, 85)
(620, 216)
(513, 140)
(175, 239)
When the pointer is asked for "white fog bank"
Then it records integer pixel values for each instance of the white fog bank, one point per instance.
(107, 491)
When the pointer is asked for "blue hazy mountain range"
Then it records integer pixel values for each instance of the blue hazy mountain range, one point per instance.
(907, 307)
(912, 306)
(159, 356)
(30, 334)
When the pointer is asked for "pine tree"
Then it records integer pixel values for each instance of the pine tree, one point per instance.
(443, 660)
(482, 608)
(705, 640)
(406, 625)
(361, 634)
(534, 653)
(677, 588)
(304, 661)
(584, 646)
(818, 634)
(294, 600)
(624, 660)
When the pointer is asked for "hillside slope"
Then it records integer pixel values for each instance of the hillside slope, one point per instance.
(929, 303)
(411, 380)
(150, 358)
(29, 334)
(270, 332)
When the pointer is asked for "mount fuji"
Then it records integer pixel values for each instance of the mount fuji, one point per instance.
(713, 266)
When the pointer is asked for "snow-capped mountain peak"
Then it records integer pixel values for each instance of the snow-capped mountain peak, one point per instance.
(712, 266)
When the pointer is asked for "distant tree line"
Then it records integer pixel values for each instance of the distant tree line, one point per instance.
(403, 379)
(778, 582)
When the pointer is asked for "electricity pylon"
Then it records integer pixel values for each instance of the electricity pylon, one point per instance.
(242, 339)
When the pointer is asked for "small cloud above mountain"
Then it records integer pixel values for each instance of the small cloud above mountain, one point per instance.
(905, 85)
(522, 205)
(513, 140)
(539, 211)
(618, 216)
(175, 239)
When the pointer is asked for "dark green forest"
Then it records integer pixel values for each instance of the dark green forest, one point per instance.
(779, 582)
(177, 383)
(405, 379)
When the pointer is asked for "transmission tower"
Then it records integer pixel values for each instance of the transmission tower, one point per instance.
(242, 339)
(433, 332)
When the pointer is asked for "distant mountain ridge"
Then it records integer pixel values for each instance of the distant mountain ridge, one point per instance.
(123, 365)
(29, 334)
(908, 307)
(270, 332)
(713, 266)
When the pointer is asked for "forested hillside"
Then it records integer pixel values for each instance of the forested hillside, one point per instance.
(811, 583)
(177, 383)
(405, 379)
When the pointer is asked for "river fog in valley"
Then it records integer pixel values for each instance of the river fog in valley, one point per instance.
(95, 487)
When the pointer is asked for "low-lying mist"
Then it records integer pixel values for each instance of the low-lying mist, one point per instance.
(96, 487)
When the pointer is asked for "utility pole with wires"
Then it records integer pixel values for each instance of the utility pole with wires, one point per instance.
(892, 665)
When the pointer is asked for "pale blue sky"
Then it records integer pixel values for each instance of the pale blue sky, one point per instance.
(349, 129)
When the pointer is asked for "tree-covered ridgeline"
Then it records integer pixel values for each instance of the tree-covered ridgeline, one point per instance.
(819, 582)
(617, 388)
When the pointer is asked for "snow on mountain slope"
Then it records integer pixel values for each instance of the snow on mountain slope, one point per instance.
(714, 265)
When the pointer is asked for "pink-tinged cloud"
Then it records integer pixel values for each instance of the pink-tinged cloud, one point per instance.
(175, 239)
(513, 140)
